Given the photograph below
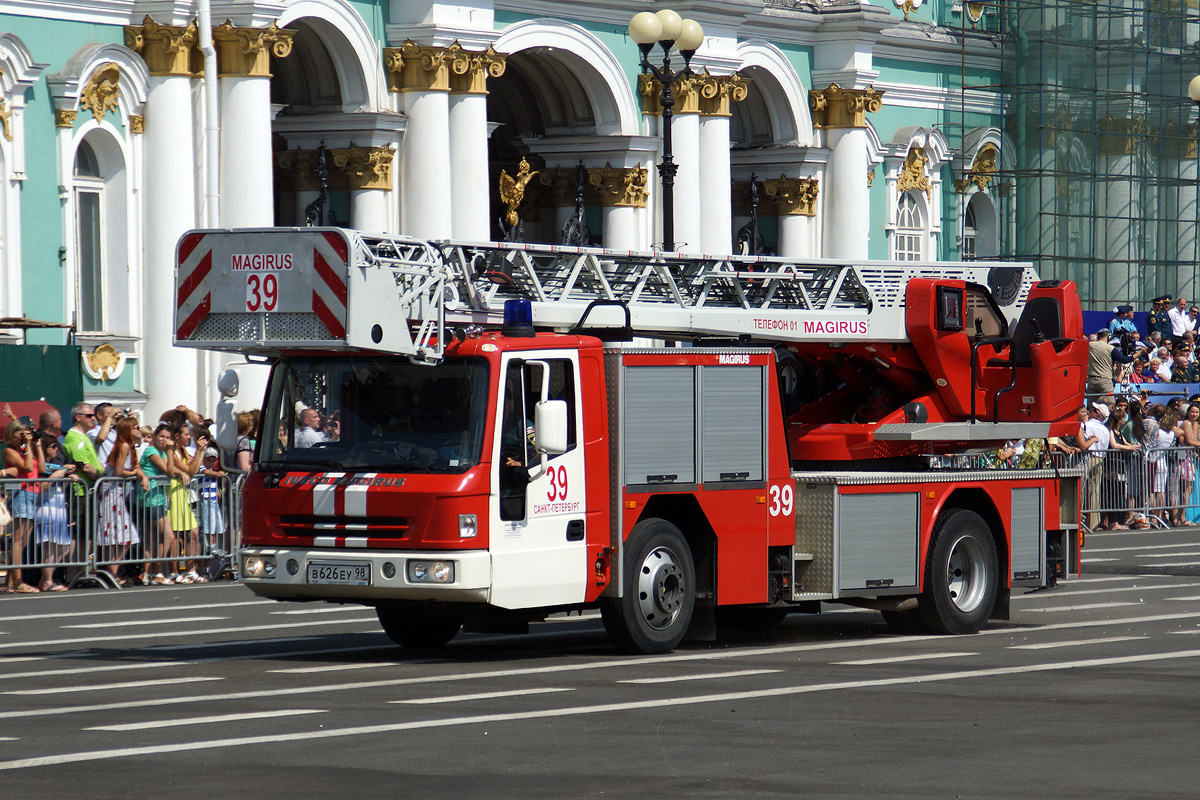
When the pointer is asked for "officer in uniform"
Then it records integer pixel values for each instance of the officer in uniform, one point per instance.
(1122, 323)
(1158, 321)
(1184, 371)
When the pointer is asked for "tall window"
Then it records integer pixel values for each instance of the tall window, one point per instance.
(906, 241)
(970, 231)
(89, 226)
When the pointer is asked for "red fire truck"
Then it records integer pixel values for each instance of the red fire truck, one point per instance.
(787, 433)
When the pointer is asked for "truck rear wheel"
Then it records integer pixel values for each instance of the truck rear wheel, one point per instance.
(414, 631)
(961, 576)
(659, 594)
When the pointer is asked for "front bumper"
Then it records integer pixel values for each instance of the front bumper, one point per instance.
(472, 575)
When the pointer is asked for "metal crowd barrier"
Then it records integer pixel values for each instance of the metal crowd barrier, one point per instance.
(1141, 489)
(118, 532)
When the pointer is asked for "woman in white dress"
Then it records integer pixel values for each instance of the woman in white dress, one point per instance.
(117, 529)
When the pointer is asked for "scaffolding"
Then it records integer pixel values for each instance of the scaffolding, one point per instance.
(1099, 163)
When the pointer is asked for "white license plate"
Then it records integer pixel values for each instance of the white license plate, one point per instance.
(340, 573)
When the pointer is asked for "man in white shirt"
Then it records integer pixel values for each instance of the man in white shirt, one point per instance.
(310, 432)
(1180, 321)
(1093, 437)
(104, 435)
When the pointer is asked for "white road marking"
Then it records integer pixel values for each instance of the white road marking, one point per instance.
(1134, 548)
(1184, 564)
(1089, 560)
(332, 610)
(88, 670)
(334, 668)
(1110, 579)
(168, 723)
(124, 637)
(457, 698)
(1045, 595)
(135, 622)
(586, 710)
(1052, 645)
(900, 659)
(1088, 607)
(104, 687)
(704, 676)
(640, 661)
(163, 609)
(9, 739)
(1185, 554)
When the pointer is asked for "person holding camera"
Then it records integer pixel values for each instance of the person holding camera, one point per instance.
(52, 520)
(77, 445)
(23, 458)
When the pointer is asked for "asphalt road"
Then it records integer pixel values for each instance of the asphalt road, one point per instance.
(1091, 691)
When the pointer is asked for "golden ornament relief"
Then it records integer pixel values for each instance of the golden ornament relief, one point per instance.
(913, 174)
(836, 107)
(794, 196)
(620, 187)
(102, 91)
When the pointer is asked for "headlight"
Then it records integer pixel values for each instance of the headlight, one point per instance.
(259, 567)
(468, 526)
(431, 572)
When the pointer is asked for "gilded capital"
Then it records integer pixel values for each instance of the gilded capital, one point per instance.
(1121, 136)
(365, 167)
(794, 196)
(557, 186)
(716, 92)
(836, 107)
(470, 70)
(913, 175)
(166, 50)
(246, 52)
(685, 92)
(137, 123)
(413, 68)
(64, 117)
(983, 170)
(1181, 140)
(102, 90)
(620, 187)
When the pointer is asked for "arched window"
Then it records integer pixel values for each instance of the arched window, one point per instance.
(89, 241)
(910, 230)
(970, 231)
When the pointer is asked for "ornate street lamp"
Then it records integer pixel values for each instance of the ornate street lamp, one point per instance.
(668, 29)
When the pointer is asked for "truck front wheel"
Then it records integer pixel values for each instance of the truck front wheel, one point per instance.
(961, 577)
(414, 631)
(659, 578)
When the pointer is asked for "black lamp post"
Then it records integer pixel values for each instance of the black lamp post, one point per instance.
(669, 30)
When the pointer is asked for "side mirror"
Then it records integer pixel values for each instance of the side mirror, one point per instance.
(550, 427)
(227, 384)
(226, 421)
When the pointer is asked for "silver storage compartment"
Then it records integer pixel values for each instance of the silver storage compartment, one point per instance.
(1028, 537)
(877, 541)
(659, 414)
(731, 423)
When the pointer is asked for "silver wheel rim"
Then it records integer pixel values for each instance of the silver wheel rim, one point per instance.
(966, 576)
(660, 589)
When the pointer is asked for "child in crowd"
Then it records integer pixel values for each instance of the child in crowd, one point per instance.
(208, 488)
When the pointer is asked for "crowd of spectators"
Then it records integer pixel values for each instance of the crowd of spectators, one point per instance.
(154, 527)
(1118, 354)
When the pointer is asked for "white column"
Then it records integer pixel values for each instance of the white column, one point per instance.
(1185, 240)
(1116, 232)
(369, 210)
(169, 374)
(685, 144)
(793, 235)
(847, 229)
(469, 166)
(621, 228)
(716, 210)
(425, 209)
(247, 177)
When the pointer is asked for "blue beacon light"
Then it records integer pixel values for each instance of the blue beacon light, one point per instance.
(518, 319)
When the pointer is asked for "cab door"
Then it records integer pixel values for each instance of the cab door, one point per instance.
(538, 539)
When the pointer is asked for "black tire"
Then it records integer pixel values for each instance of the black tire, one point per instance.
(417, 632)
(961, 576)
(905, 622)
(659, 594)
(734, 619)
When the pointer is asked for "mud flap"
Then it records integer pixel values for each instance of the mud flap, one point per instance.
(1002, 609)
(703, 627)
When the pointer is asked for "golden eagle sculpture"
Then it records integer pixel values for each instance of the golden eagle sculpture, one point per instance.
(512, 191)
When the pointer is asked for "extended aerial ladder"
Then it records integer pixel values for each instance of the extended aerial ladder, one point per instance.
(400, 295)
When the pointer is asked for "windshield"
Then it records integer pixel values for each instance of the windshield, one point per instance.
(374, 413)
